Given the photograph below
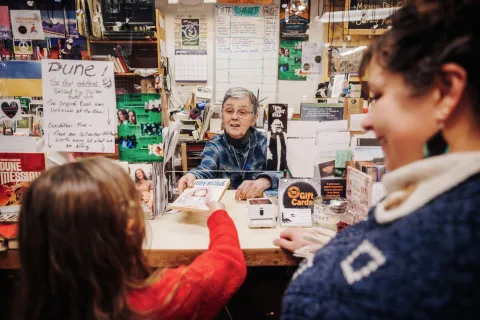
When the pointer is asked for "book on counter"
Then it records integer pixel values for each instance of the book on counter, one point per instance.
(359, 193)
(195, 199)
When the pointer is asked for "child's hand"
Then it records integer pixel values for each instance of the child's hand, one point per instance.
(214, 205)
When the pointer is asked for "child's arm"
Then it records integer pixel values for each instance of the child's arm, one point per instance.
(200, 290)
(218, 273)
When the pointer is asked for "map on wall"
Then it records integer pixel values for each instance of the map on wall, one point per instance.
(246, 42)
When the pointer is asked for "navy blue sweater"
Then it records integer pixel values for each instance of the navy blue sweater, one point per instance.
(423, 266)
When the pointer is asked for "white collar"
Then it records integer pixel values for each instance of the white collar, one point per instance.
(432, 177)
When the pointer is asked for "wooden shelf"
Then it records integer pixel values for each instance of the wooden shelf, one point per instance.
(126, 74)
(124, 41)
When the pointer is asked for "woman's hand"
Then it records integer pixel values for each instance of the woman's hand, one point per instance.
(252, 189)
(292, 239)
(185, 182)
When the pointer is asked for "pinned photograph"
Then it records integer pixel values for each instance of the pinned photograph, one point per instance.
(141, 175)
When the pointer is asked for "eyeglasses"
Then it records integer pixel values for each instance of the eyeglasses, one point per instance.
(242, 114)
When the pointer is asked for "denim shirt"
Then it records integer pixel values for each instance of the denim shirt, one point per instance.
(222, 161)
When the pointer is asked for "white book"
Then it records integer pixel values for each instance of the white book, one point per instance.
(195, 199)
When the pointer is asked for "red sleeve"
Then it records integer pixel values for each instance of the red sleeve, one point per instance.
(200, 290)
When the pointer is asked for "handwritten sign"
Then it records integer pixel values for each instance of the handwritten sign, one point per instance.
(370, 22)
(79, 105)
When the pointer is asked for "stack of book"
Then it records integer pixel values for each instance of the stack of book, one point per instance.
(187, 129)
(119, 58)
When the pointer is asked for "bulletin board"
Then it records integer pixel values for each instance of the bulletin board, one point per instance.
(246, 45)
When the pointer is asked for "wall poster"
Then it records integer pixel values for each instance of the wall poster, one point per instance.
(297, 25)
(139, 119)
(290, 61)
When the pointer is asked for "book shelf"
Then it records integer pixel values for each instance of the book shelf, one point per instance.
(126, 74)
(142, 54)
(150, 41)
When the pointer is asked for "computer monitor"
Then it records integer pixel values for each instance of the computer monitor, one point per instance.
(138, 12)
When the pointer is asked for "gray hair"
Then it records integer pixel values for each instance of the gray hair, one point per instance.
(238, 93)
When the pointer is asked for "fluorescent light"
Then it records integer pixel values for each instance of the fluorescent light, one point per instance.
(355, 15)
(349, 52)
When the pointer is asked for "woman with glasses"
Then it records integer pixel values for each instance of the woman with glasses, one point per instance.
(239, 153)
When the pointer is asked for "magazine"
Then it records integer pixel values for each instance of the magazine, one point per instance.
(195, 199)
(142, 175)
(17, 171)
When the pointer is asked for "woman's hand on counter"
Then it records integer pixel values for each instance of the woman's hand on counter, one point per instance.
(292, 239)
(185, 182)
(252, 189)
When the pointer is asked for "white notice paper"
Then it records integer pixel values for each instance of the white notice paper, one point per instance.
(246, 50)
(18, 144)
(356, 121)
(367, 153)
(79, 105)
(299, 159)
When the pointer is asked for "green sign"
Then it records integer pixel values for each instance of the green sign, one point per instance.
(139, 120)
(290, 60)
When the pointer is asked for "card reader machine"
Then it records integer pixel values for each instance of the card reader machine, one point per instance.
(261, 213)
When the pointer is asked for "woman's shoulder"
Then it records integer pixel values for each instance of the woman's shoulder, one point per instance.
(217, 141)
(457, 203)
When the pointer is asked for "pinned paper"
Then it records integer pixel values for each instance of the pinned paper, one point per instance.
(299, 163)
(79, 105)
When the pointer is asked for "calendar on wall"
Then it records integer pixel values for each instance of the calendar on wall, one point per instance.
(191, 48)
(191, 66)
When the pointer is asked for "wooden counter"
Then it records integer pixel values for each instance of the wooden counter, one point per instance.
(178, 238)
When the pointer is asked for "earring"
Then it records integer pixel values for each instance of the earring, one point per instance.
(437, 144)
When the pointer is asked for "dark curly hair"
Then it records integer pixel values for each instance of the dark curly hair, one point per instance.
(424, 36)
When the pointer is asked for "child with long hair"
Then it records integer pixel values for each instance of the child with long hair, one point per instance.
(81, 232)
